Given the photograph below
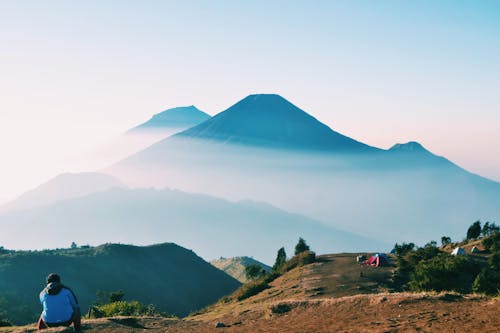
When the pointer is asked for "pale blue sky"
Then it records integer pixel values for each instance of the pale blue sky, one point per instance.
(74, 74)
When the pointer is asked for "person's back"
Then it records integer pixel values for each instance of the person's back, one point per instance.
(60, 307)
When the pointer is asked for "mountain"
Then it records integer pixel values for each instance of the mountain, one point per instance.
(235, 266)
(172, 278)
(212, 227)
(176, 118)
(265, 149)
(271, 121)
(62, 187)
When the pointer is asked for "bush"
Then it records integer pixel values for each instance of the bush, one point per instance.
(301, 259)
(254, 271)
(122, 308)
(487, 282)
(251, 288)
(5, 322)
(492, 242)
(403, 249)
(444, 272)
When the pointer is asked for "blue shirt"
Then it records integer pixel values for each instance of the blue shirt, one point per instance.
(58, 308)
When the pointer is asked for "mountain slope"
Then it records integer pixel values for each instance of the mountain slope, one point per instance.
(235, 266)
(62, 187)
(176, 280)
(210, 226)
(272, 121)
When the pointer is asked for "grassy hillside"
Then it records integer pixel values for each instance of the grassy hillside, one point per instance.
(330, 295)
(172, 278)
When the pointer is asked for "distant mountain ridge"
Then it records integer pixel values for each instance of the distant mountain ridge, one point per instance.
(178, 117)
(62, 187)
(211, 226)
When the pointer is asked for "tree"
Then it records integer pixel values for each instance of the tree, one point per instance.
(254, 271)
(403, 249)
(73, 245)
(445, 240)
(489, 229)
(280, 259)
(116, 296)
(301, 246)
(474, 230)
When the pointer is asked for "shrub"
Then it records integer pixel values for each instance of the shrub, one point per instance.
(487, 282)
(254, 271)
(444, 272)
(5, 322)
(300, 259)
(122, 308)
(492, 242)
(251, 288)
(403, 249)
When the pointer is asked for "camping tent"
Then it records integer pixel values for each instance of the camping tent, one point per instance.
(475, 249)
(378, 259)
(458, 251)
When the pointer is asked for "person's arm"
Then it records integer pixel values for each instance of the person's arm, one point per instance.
(73, 300)
(41, 296)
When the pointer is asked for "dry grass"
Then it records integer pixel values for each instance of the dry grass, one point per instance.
(332, 295)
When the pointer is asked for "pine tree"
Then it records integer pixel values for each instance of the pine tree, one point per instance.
(280, 259)
(301, 246)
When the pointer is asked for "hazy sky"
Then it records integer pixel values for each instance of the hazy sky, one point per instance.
(75, 74)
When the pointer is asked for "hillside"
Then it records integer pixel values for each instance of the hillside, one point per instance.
(173, 278)
(327, 296)
(235, 267)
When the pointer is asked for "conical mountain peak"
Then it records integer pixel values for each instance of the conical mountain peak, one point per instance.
(272, 121)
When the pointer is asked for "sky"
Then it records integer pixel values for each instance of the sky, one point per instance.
(74, 75)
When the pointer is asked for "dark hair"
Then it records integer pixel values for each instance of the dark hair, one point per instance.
(53, 277)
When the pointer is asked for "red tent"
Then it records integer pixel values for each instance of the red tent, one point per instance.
(378, 259)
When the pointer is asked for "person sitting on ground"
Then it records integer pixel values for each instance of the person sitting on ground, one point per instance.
(60, 306)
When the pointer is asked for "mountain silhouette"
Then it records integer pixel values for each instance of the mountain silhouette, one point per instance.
(62, 187)
(270, 120)
(179, 117)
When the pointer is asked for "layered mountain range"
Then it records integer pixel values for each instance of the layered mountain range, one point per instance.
(267, 150)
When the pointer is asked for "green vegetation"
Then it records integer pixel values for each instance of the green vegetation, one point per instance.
(254, 271)
(118, 307)
(281, 266)
(431, 268)
(174, 279)
(474, 230)
(280, 259)
(301, 246)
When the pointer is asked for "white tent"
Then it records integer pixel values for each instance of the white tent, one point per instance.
(458, 251)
